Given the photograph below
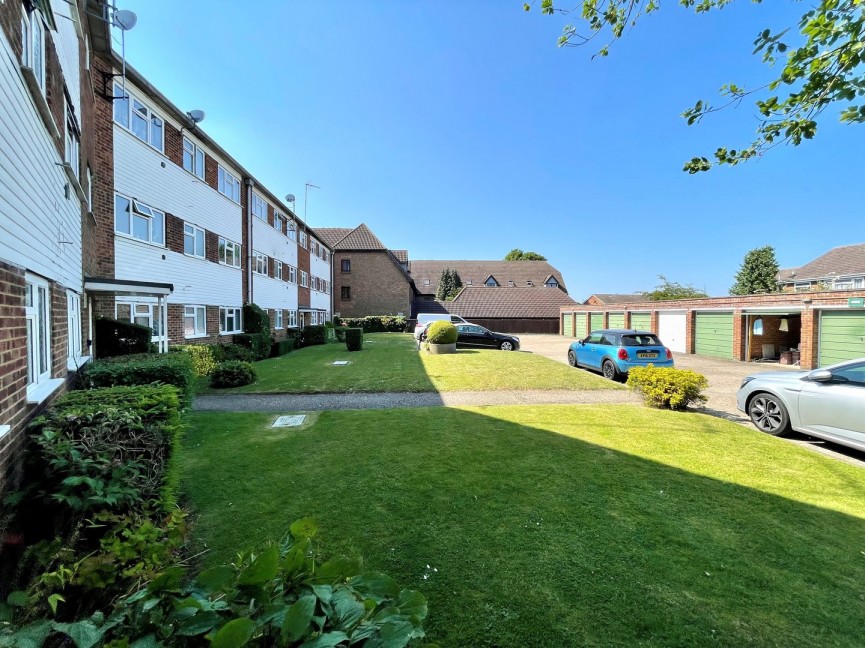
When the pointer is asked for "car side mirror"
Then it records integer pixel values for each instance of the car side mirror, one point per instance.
(581, 342)
(821, 375)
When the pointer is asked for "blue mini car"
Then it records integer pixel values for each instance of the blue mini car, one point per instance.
(614, 351)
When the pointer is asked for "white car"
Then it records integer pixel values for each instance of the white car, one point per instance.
(425, 319)
(826, 403)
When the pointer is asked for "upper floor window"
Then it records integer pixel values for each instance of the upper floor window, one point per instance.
(292, 274)
(551, 283)
(140, 221)
(193, 240)
(303, 240)
(345, 265)
(279, 222)
(304, 279)
(277, 269)
(193, 158)
(229, 252)
(292, 230)
(259, 207)
(491, 283)
(802, 285)
(345, 292)
(228, 185)
(133, 114)
(260, 265)
(73, 144)
(33, 45)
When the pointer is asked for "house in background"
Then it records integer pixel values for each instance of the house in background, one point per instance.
(841, 268)
(489, 274)
(368, 278)
(602, 299)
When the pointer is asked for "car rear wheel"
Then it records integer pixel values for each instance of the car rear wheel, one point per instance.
(572, 358)
(609, 369)
(506, 346)
(768, 414)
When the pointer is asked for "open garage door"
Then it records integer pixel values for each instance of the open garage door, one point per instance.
(616, 320)
(641, 321)
(842, 336)
(713, 335)
(671, 330)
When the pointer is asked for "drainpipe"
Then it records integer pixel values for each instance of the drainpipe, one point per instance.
(250, 183)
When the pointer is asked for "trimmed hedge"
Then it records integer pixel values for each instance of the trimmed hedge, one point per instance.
(339, 331)
(144, 369)
(313, 334)
(233, 374)
(667, 387)
(374, 323)
(282, 347)
(255, 320)
(225, 352)
(258, 343)
(354, 339)
(116, 338)
(441, 332)
(205, 357)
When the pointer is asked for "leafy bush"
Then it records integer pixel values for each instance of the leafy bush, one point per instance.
(354, 339)
(144, 369)
(441, 332)
(226, 352)
(205, 357)
(282, 347)
(329, 324)
(313, 334)
(282, 596)
(233, 373)
(258, 343)
(374, 323)
(116, 338)
(667, 387)
(255, 320)
(339, 331)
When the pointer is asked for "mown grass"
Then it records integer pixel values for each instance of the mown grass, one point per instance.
(390, 362)
(556, 525)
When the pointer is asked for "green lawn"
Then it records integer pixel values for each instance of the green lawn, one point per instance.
(556, 525)
(390, 362)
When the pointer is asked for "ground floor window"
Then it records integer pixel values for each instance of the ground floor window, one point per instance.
(142, 313)
(292, 318)
(73, 325)
(194, 321)
(278, 319)
(37, 310)
(230, 321)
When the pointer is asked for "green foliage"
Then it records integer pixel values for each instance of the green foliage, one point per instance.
(285, 595)
(281, 347)
(758, 273)
(668, 387)
(354, 339)
(144, 369)
(205, 357)
(449, 285)
(255, 320)
(671, 290)
(257, 343)
(116, 338)
(233, 373)
(376, 323)
(441, 332)
(518, 255)
(339, 331)
(313, 334)
(224, 352)
(824, 68)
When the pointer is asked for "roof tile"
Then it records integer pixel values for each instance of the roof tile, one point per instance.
(476, 272)
(837, 262)
(503, 302)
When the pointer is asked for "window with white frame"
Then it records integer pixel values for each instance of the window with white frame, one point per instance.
(260, 263)
(292, 230)
(843, 284)
(259, 207)
(193, 240)
(73, 326)
(140, 221)
(141, 313)
(193, 158)
(303, 240)
(859, 282)
(279, 222)
(277, 269)
(89, 189)
(135, 115)
(278, 319)
(304, 279)
(33, 45)
(73, 143)
(292, 274)
(37, 312)
(229, 252)
(194, 321)
(292, 318)
(230, 320)
(228, 185)
(325, 254)
(802, 286)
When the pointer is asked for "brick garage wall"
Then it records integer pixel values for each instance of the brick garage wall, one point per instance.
(772, 334)
(378, 287)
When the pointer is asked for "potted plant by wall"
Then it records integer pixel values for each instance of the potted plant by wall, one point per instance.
(441, 337)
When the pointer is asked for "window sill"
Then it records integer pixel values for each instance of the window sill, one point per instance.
(4, 430)
(230, 332)
(41, 101)
(194, 256)
(40, 393)
(74, 181)
(195, 337)
(74, 364)
(128, 237)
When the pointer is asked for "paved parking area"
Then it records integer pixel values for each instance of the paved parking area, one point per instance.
(724, 376)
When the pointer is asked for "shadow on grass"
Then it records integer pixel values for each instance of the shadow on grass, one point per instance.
(624, 526)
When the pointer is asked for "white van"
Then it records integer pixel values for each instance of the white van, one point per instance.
(424, 320)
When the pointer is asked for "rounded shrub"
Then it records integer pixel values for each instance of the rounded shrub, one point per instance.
(441, 332)
(234, 373)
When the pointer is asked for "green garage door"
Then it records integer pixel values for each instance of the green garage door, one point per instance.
(597, 321)
(580, 328)
(616, 320)
(842, 336)
(568, 324)
(641, 321)
(714, 335)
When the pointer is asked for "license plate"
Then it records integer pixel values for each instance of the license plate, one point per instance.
(646, 354)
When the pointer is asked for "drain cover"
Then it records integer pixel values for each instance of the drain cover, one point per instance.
(340, 363)
(289, 421)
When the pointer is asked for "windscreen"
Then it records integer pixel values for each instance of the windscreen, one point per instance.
(640, 340)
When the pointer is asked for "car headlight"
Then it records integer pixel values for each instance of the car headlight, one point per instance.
(746, 381)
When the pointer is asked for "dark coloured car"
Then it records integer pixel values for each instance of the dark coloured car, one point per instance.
(473, 336)
(614, 351)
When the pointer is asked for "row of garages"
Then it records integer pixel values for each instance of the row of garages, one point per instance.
(814, 329)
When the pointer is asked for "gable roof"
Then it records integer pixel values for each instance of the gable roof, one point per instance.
(837, 262)
(520, 302)
(332, 235)
(401, 255)
(617, 298)
(520, 272)
(345, 238)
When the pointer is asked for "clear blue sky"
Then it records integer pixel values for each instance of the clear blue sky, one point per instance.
(458, 130)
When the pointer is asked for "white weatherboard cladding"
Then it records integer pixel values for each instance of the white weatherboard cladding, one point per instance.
(66, 44)
(196, 281)
(319, 268)
(139, 173)
(269, 292)
(319, 300)
(267, 240)
(40, 229)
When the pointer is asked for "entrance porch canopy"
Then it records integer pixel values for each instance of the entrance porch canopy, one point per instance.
(128, 288)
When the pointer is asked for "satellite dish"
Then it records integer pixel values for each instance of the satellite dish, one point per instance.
(124, 19)
(290, 198)
(197, 116)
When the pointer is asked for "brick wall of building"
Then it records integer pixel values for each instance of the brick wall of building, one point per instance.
(98, 232)
(13, 363)
(378, 287)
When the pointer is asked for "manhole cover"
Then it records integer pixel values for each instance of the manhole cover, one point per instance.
(289, 421)
(340, 363)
